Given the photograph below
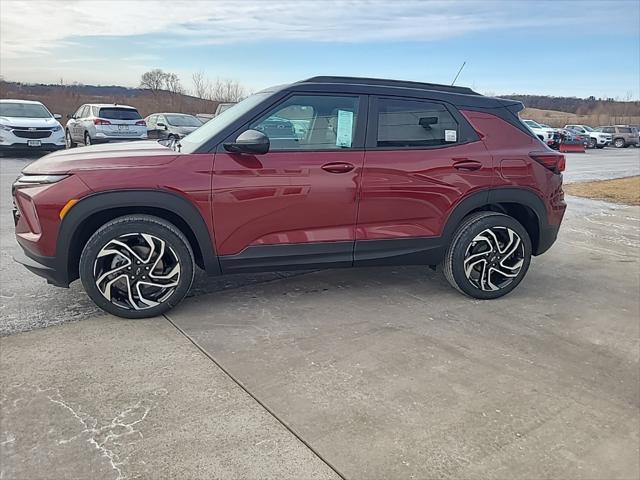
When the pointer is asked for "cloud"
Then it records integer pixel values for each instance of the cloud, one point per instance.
(39, 26)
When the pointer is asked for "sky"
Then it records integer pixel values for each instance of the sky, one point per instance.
(562, 48)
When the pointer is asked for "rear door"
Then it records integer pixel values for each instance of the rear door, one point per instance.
(295, 205)
(422, 157)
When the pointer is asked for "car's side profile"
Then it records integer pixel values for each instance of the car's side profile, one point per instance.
(102, 123)
(327, 172)
(623, 136)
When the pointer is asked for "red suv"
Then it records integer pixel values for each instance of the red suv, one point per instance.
(326, 172)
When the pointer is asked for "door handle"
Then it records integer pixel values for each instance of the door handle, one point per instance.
(338, 167)
(466, 164)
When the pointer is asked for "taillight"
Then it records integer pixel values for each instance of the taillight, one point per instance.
(141, 123)
(553, 161)
(100, 121)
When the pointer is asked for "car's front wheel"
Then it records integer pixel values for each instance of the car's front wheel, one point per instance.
(489, 255)
(68, 140)
(137, 266)
(619, 143)
(593, 143)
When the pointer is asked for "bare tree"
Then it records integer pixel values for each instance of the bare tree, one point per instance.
(154, 80)
(201, 84)
(172, 83)
(226, 90)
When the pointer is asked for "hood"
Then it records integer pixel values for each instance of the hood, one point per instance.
(95, 157)
(186, 130)
(29, 122)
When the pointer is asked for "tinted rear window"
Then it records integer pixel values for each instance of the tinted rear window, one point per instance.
(624, 130)
(114, 113)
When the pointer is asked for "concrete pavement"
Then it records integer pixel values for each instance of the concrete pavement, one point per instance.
(110, 399)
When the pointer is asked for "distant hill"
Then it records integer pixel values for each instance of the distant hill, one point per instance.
(65, 99)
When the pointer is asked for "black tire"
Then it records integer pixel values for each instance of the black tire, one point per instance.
(87, 139)
(172, 252)
(593, 143)
(463, 243)
(619, 143)
(68, 140)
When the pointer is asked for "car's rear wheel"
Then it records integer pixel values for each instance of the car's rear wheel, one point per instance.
(69, 143)
(87, 138)
(489, 255)
(593, 143)
(137, 266)
(619, 143)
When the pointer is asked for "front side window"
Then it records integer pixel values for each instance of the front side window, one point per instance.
(414, 123)
(23, 110)
(310, 122)
(151, 122)
(183, 121)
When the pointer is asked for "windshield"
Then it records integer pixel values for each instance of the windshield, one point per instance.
(24, 110)
(532, 124)
(588, 128)
(183, 121)
(119, 113)
(193, 141)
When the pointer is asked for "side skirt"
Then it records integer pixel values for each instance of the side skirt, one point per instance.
(307, 256)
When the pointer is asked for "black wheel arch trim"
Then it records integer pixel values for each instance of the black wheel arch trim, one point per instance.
(157, 199)
(484, 198)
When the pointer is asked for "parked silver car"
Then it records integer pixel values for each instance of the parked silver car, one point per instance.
(172, 126)
(104, 122)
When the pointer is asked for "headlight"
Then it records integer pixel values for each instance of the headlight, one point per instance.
(6, 128)
(38, 179)
(57, 128)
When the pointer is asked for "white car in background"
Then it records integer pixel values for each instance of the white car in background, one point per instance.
(596, 138)
(104, 122)
(29, 125)
(544, 134)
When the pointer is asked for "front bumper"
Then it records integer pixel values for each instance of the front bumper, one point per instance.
(43, 266)
(46, 147)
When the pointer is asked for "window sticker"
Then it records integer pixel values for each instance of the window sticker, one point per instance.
(450, 136)
(344, 129)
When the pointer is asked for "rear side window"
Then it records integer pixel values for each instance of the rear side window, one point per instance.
(116, 113)
(414, 123)
(624, 130)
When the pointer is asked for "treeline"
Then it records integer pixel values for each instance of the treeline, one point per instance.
(581, 106)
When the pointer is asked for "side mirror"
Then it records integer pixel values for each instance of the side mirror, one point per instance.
(249, 141)
(57, 116)
(161, 125)
(69, 116)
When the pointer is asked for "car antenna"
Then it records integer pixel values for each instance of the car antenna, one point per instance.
(458, 74)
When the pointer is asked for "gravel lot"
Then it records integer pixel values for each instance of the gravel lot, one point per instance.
(28, 302)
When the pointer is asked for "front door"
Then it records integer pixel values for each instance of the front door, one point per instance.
(297, 204)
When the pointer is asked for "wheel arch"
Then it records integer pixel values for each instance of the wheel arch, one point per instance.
(520, 203)
(93, 211)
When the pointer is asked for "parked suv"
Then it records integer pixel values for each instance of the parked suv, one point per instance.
(622, 135)
(379, 172)
(106, 122)
(28, 125)
(597, 138)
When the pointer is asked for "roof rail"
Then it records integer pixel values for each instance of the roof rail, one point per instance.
(391, 83)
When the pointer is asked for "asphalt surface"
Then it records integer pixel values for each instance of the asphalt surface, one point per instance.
(27, 302)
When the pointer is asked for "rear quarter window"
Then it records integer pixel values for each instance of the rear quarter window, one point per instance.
(115, 113)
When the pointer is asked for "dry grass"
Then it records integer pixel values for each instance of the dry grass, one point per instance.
(558, 119)
(621, 190)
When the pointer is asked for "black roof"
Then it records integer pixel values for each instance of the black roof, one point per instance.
(382, 82)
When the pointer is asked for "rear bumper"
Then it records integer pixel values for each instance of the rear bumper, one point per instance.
(547, 238)
(45, 267)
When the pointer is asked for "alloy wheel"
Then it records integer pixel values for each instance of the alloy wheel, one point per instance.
(67, 139)
(136, 271)
(494, 258)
